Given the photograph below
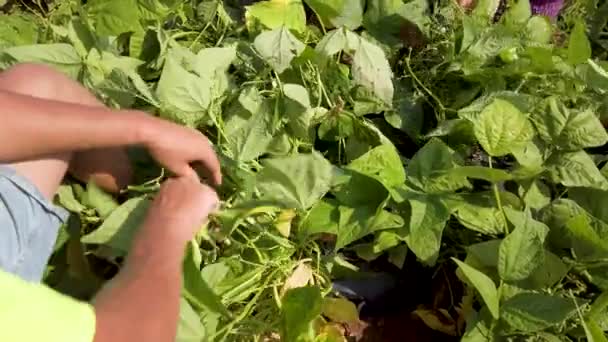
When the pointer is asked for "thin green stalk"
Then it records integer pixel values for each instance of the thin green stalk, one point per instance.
(441, 114)
(497, 198)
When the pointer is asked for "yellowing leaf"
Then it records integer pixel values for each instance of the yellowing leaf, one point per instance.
(301, 276)
(283, 221)
(340, 310)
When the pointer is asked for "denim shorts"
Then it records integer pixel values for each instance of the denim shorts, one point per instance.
(29, 225)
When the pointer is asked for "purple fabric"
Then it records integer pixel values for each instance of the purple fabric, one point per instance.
(549, 8)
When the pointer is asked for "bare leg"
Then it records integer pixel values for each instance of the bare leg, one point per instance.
(109, 168)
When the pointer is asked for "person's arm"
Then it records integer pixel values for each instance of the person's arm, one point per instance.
(142, 302)
(32, 127)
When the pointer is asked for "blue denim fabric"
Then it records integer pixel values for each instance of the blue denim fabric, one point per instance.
(29, 225)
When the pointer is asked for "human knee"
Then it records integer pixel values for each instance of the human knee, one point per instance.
(43, 81)
(32, 79)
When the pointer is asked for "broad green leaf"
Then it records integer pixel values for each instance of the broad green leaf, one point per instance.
(274, 14)
(592, 200)
(579, 47)
(428, 218)
(247, 126)
(323, 217)
(534, 193)
(338, 40)
(60, 56)
(340, 310)
(102, 201)
(113, 17)
(572, 227)
(298, 110)
(355, 223)
(407, 113)
(484, 285)
(196, 289)
(522, 251)
(382, 163)
(189, 83)
(300, 306)
(278, 47)
(575, 169)
(531, 312)
(569, 129)
(501, 127)
(297, 181)
(119, 228)
(371, 70)
(18, 29)
(190, 328)
(480, 172)
(599, 306)
(431, 169)
(336, 125)
(338, 13)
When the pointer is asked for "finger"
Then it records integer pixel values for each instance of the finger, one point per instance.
(210, 200)
(208, 158)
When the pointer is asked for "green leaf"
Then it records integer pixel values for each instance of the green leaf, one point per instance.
(340, 310)
(62, 57)
(518, 13)
(338, 13)
(119, 228)
(371, 70)
(196, 289)
(501, 128)
(569, 129)
(355, 223)
(483, 284)
(480, 212)
(480, 172)
(298, 110)
(338, 40)
(18, 29)
(323, 217)
(572, 227)
(575, 169)
(428, 218)
(65, 196)
(381, 163)
(278, 48)
(190, 328)
(300, 306)
(579, 48)
(431, 169)
(102, 201)
(274, 14)
(592, 200)
(522, 251)
(113, 17)
(247, 126)
(296, 181)
(593, 331)
(531, 312)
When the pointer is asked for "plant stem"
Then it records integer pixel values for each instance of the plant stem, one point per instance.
(441, 114)
(497, 198)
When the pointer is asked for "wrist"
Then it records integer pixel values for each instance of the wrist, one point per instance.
(141, 128)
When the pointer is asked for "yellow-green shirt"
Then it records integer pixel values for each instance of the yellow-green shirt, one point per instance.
(35, 312)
